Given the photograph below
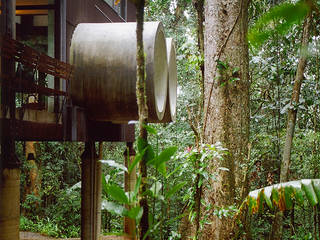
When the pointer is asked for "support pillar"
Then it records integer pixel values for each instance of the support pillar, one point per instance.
(129, 184)
(99, 190)
(90, 193)
(9, 163)
(10, 204)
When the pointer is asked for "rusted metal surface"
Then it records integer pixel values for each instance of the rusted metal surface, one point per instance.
(104, 57)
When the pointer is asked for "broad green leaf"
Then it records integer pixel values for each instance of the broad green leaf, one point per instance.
(136, 160)
(162, 169)
(114, 208)
(104, 185)
(117, 194)
(316, 187)
(289, 196)
(149, 153)
(141, 144)
(164, 156)
(136, 187)
(260, 200)
(299, 195)
(284, 195)
(155, 188)
(267, 196)
(135, 213)
(150, 129)
(307, 187)
(175, 189)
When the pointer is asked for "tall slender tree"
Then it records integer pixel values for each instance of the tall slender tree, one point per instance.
(276, 232)
(143, 116)
(226, 118)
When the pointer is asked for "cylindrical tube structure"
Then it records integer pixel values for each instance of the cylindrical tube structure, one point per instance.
(104, 56)
(170, 112)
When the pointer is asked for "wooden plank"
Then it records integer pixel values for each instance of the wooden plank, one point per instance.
(23, 86)
(31, 131)
(29, 57)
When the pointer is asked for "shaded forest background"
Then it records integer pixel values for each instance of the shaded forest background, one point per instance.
(54, 208)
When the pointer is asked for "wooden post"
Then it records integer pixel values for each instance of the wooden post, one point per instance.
(99, 190)
(129, 184)
(9, 164)
(90, 193)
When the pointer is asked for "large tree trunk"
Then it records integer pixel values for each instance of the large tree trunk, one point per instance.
(276, 232)
(33, 181)
(226, 117)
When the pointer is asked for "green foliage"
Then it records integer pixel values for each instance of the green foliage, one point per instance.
(56, 212)
(159, 162)
(278, 20)
(117, 194)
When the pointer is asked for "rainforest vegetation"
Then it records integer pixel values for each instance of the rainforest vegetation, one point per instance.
(248, 117)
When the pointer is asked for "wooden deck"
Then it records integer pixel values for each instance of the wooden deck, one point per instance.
(37, 236)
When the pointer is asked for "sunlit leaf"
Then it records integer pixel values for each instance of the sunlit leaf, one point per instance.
(307, 187)
(114, 208)
(117, 193)
(155, 188)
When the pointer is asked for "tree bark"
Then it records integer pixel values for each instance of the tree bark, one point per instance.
(143, 116)
(33, 183)
(226, 106)
(199, 7)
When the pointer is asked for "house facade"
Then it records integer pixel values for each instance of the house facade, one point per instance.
(47, 26)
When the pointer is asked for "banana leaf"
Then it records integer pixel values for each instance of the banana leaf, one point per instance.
(283, 195)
